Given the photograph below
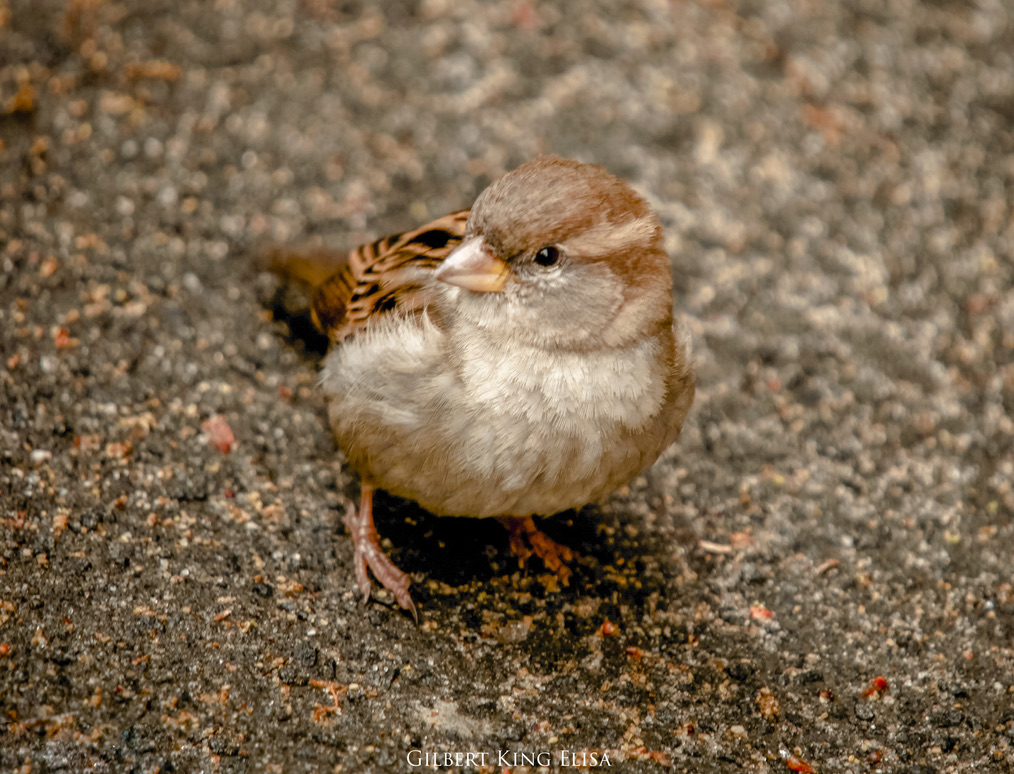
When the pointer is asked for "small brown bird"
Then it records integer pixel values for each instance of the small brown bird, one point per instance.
(517, 359)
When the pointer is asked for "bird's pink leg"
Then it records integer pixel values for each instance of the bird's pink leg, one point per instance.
(368, 553)
(526, 539)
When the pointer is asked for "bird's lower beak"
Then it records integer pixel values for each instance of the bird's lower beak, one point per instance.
(473, 266)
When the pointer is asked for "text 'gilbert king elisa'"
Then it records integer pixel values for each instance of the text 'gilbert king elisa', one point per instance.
(445, 760)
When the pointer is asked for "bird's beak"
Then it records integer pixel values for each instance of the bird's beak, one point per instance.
(472, 265)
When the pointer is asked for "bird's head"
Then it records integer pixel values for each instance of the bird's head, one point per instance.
(562, 254)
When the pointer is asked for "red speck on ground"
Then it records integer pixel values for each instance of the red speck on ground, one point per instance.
(219, 433)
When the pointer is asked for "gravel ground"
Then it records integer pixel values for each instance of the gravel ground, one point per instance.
(817, 576)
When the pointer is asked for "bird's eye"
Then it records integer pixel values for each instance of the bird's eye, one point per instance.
(547, 256)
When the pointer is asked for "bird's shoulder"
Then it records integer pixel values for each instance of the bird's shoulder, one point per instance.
(389, 276)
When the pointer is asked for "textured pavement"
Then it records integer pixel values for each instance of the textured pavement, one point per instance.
(818, 576)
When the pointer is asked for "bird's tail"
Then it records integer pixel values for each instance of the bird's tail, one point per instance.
(306, 266)
(303, 300)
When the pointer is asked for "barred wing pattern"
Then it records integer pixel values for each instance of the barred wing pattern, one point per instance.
(389, 275)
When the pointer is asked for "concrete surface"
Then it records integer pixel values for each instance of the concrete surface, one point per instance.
(817, 576)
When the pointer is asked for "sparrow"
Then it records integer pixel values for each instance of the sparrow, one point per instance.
(519, 358)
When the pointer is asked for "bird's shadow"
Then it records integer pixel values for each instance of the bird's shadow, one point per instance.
(291, 307)
(459, 551)
(451, 550)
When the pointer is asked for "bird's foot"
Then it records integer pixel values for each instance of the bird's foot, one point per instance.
(527, 540)
(369, 554)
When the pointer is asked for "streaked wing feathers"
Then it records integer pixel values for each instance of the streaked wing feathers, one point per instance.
(389, 275)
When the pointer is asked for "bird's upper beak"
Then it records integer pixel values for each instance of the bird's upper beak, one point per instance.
(472, 265)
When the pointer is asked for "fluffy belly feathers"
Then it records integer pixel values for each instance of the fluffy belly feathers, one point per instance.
(501, 432)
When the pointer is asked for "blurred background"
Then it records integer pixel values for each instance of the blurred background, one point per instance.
(817, 575)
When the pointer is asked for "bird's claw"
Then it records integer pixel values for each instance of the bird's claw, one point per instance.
(368, 555)
(527, 540)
